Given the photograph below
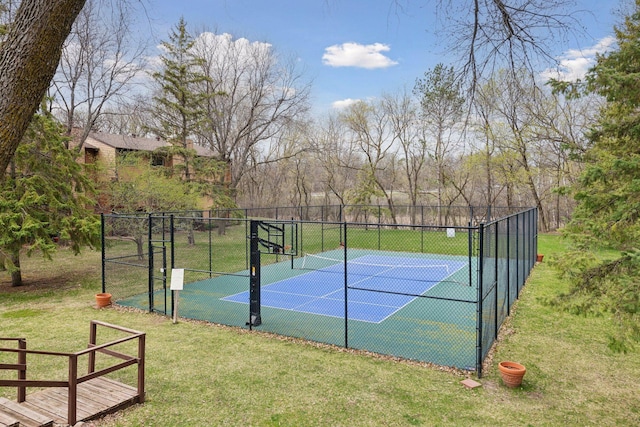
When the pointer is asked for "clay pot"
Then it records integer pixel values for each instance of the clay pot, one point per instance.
(103, 300)
(539, 257)
(512, 373)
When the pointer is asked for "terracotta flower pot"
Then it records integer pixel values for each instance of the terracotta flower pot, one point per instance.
(103, 300)
(512, 373)
(539, 257)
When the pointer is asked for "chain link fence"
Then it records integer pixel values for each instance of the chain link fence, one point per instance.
(430, 293)
(377, 214)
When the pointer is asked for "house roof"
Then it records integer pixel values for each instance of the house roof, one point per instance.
(135, 143)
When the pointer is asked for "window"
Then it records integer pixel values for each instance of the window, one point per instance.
(157, 160)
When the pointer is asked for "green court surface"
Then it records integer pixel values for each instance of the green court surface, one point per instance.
(436, 323)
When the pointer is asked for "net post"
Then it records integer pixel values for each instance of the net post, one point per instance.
(254, 276)
(294, 240)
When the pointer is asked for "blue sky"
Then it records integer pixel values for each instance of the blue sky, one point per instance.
(357, 49)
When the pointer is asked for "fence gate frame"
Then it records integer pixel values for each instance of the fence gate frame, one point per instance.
(160, 245)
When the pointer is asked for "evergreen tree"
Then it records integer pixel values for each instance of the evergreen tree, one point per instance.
(608, 192)
(179, 106)
(44, 196)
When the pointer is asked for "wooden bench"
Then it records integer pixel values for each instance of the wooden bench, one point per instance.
(76, 397)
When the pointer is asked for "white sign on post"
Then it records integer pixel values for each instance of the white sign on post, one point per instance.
(177, 279)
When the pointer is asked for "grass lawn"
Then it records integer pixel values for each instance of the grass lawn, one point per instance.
(201, 375)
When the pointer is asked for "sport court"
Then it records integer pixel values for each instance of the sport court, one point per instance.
(412, 305)
(377, 286)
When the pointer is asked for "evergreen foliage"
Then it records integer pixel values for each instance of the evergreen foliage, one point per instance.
(608, 193)
(45, 196)
(179, 106)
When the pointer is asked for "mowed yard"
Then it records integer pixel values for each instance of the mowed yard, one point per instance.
(199, 374)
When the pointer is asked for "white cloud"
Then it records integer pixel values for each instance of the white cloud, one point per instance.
(368, 56)
(344, 103)
(575, 63)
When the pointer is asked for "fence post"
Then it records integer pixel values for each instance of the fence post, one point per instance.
(174, 294)
(141, 367)
(22, 373)
(93, 339)
(346, 303)
(518, 261)
(103, 251)
(479, 312)
(72, 397)
(496, 253)
(150, 260)
(508, 259)
(470, 233)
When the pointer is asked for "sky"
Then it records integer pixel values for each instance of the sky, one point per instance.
(360, 49)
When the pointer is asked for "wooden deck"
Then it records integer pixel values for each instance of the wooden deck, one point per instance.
(78, 397)
(96, 398)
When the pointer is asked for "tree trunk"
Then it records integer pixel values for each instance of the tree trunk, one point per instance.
(140, 240)
(29, 57)
(16, 274)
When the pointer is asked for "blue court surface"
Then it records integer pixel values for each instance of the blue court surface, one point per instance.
(377, 286)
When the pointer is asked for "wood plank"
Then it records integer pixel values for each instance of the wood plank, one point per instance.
(8, 421)
(25, 416)
(49, 402)
(104, 391)
(95, 398)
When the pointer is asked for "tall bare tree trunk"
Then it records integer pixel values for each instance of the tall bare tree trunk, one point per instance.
(28, 60)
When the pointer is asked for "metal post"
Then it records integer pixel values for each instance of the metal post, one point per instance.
(102, 242)
(518, 255)
(150, 272)
(210, 227)
(479, 312)
(254, 277)
(164, 265)
(346, 302)
(470, 234)
(508, 259)
(496, 253)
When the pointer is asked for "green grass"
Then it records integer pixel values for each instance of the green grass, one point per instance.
(201, 375)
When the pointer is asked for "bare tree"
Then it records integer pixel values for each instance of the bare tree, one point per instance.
(29, 56)
(516, 35)
(337, 157)
(441, 111)
(514, 129)
(258, 94)
(99, 62)
(279, 172)
(403, 115)
(561, 127)
(370, 128)
(127, 117)
(486, 159)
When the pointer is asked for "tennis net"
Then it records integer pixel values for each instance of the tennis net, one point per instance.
(400, 268)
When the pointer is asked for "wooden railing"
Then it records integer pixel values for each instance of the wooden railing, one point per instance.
(73, 378)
